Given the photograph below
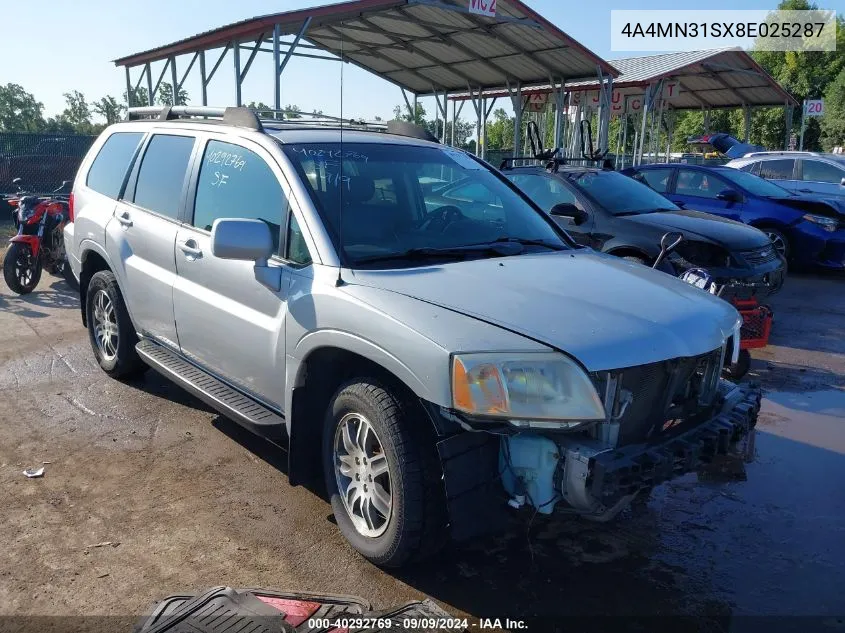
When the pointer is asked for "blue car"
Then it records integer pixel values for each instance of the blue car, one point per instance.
(808, 231)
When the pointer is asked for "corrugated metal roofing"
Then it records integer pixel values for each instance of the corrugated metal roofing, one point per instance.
(717, 78)
(422, 45)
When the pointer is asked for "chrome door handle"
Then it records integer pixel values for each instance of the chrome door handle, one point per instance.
(189, 247)
(125, 219)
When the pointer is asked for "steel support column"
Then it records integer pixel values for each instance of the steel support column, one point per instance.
(746, 111)
(203, 79)
(149, 84)
(624, 134)
(236, 58)
(174, 81)
(518, 108)
(416, 122)
(605, 105)
(128, 88)
(478, 106)
(277, 61)
(787, 112)
(487, 110)
(280, 66)
(559, 102)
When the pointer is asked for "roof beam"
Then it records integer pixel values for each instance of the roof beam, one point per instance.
(464, 49)
(252, 55)
(702, 102)
(715, 77)
(369, 50)
(414, 48)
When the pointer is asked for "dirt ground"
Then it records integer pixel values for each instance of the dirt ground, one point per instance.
(187, 500)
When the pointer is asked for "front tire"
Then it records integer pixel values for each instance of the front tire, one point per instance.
(737, 370)
(779, 241)
(110, 329)
(382, 475)
(21, 270)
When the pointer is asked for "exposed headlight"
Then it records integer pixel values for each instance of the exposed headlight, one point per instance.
(828, 224)
(541, 390)
(691, 253)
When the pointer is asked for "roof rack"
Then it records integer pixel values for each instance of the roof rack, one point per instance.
(259, 118)
(780, 153)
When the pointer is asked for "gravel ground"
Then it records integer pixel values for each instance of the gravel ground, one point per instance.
(187, 500)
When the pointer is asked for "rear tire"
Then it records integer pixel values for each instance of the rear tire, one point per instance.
(414, 523)
(21, 273)
(110, 329)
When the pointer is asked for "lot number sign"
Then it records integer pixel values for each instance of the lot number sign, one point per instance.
(814, 107)
(483, 7)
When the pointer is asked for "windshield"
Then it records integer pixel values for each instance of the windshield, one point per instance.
(379, 200)
(619, 194)
(754, 184)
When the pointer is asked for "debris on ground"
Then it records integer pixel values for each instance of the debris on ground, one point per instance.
(105, 544)
(33, 473)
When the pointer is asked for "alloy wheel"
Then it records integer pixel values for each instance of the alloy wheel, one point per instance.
(362, 474)
(23, 268)
(778, 242)
(105, 325)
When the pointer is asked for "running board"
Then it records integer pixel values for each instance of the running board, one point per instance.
(227, 400)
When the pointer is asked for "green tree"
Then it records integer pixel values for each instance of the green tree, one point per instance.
(19, 110)
(108, 108)
(77, 112)
(401, 113)
(165, 95)
(291, 111)
(500, 130)
(833, 122)
(138, 98)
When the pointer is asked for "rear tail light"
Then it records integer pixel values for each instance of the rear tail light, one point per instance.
(70, 207)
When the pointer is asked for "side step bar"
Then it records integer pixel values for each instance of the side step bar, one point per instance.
(217, 394)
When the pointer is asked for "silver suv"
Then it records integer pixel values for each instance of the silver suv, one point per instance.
(799, 172)
(433, 352)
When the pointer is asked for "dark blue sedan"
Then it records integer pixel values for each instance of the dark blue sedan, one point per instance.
(808, 231)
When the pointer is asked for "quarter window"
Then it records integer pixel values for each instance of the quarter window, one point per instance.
(235, 182)
(752, 168)
(780, 169)
(108, 171)
(162, 174)
(297, 249)
(817, 171)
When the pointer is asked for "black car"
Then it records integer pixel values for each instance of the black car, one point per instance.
(612, 213)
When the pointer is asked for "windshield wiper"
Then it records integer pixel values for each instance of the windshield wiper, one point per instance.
(529, 242)
(458, 252)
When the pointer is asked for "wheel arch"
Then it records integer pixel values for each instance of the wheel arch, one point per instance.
(316, 377)
(93, 260)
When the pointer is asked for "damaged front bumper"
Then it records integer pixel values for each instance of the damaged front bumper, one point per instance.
(599, 481)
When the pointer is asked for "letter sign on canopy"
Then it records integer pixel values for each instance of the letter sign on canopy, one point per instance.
(483, 7)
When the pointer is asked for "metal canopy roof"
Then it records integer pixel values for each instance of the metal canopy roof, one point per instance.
(424, 46)
(717, 78)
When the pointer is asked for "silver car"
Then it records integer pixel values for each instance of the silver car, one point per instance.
(799, 172)
(438, 359)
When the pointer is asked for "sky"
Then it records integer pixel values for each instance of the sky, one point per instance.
(63, 45)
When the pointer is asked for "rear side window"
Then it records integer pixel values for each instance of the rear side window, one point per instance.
(657, 179)
(108, 170)
(780, 169)
(235, 182)
(162, 174)
(752, 168)
(818, 171)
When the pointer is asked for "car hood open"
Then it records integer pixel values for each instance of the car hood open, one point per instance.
(734, 236)
(606, 312)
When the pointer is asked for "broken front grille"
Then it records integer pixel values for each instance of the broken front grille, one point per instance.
(647, 400)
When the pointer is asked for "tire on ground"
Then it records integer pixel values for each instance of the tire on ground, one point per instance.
(126, 362)
(9, 261)
(417, 525)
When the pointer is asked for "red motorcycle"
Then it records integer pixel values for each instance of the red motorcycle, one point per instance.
(39, 243)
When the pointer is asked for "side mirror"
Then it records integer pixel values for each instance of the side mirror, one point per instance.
(247, 240)
(569, 210)
(729, 195)
(668, 243)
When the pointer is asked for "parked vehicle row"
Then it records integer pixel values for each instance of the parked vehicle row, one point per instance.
(807, 230)
(402, 318)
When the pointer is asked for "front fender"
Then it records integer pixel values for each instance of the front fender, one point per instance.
(33, 241)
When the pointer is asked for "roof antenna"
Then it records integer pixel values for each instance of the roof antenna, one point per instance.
(339, 280)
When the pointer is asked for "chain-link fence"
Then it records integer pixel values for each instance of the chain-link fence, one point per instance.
(41, 161)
